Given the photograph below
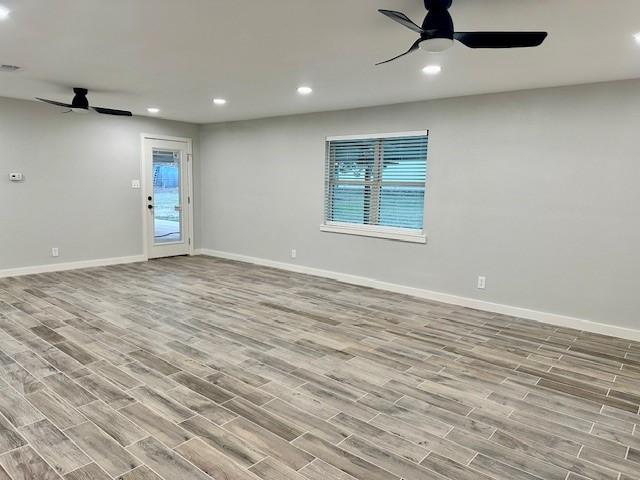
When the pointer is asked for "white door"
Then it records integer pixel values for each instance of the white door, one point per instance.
(167, 201)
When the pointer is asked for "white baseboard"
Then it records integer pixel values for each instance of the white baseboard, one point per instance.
(544, 317)
(60, 267)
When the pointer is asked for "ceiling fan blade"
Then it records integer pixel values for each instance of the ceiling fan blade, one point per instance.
(402, 19)
(111, 111)
(52, 102)
(501, 39)
(413, 48)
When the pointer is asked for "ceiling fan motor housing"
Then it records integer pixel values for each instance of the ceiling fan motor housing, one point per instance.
(437, 26)
(437, 4)
(80, 100)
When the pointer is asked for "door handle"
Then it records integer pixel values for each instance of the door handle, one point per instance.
(150, 207)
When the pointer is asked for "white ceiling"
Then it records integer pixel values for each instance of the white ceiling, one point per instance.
(179, 54)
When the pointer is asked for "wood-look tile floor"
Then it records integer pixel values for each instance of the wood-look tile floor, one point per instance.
(197, 368)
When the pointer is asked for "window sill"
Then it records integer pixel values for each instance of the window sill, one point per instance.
(399, 234)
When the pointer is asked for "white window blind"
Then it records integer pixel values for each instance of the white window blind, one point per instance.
(377, 182)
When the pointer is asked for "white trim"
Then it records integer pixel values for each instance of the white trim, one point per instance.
(60, 267)
(544, 317)
(400, 234)
(369, 136)
(168, 138)
(192, 220)
(143, 189)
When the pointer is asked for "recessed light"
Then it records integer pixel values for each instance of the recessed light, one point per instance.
(637, 37)
(432, 69)
(219, 101)
(153, 110)
(305, 90)
(4, 12)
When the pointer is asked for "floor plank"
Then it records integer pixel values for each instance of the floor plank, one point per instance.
(102, 449)
(88, 472)
(164, 430)
(54, 446)
(212, 462)
(160, 459)
(25, 464)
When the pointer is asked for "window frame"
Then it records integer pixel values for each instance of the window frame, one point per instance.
(391, 233)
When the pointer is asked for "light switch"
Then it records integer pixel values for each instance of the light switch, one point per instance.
(16, 177)
(135, 183)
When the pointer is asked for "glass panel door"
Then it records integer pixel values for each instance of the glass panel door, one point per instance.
(167, 167)
(167, 196)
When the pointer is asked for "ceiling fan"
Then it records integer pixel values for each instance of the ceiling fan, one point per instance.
(80, 104)
(437, 32)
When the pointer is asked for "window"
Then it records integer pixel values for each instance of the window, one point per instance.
(375, 185)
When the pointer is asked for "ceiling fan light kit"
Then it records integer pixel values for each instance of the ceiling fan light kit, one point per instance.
(437, 32)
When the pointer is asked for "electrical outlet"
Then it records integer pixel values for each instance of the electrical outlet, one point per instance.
(135, 183)
(482, 283)
(294, 253)
(55, 252)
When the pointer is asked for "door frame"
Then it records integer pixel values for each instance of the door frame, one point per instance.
(143, 189)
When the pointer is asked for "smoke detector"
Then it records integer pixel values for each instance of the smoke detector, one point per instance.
(9, 68)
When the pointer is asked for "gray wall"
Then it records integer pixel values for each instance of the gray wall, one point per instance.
(537, 190)
(77, 195)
